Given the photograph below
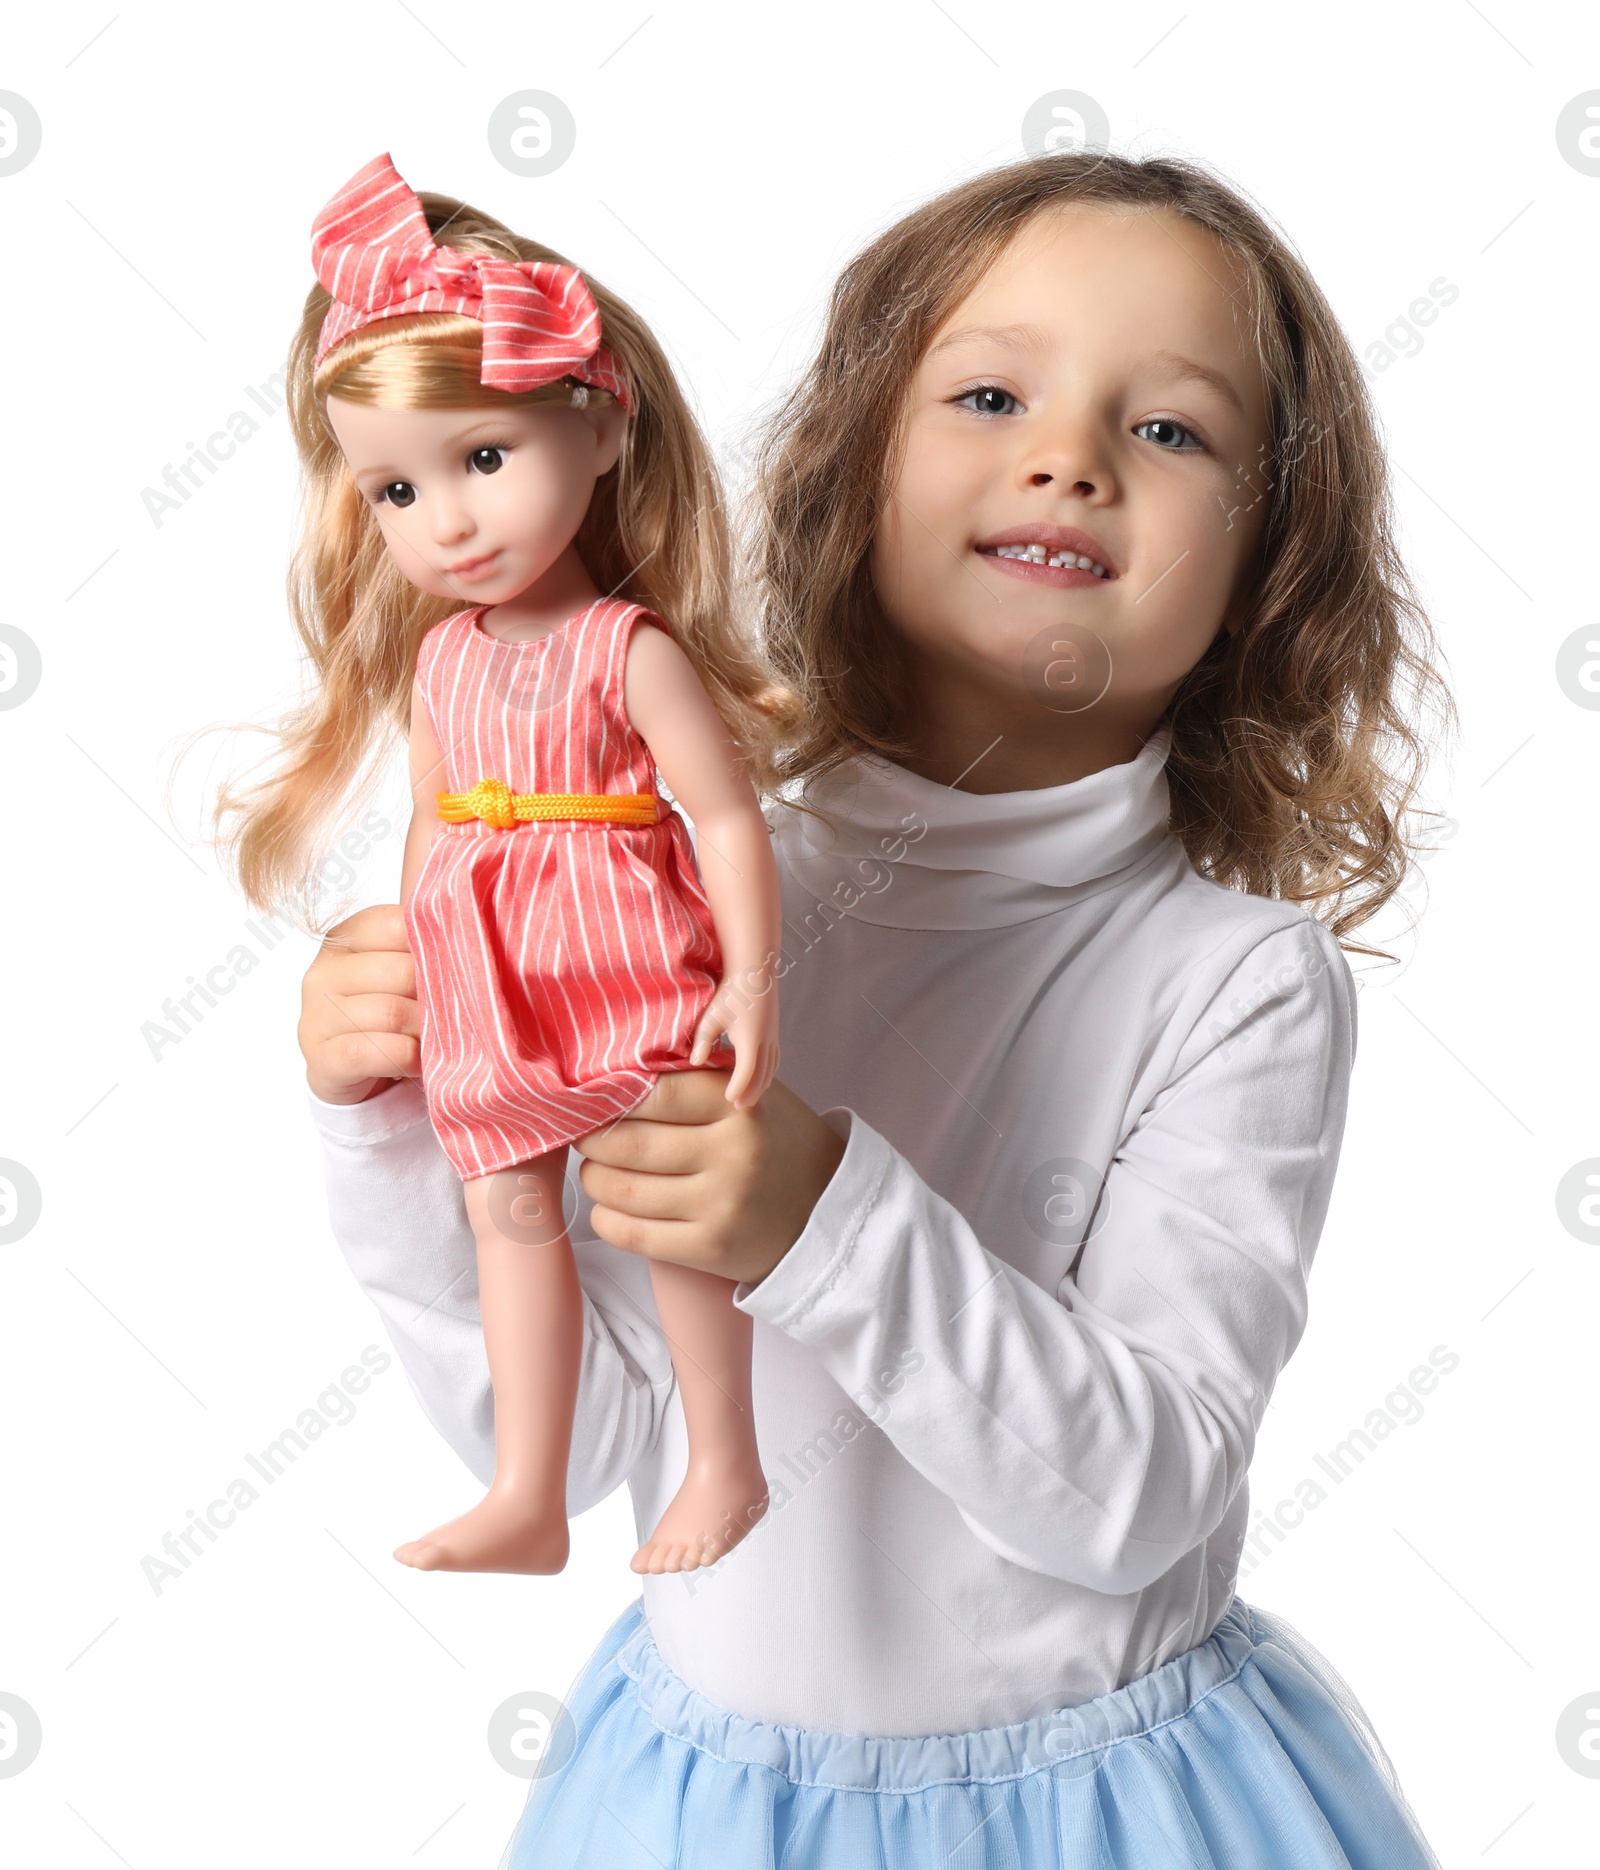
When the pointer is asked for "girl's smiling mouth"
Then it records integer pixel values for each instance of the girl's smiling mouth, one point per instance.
(1059, 555)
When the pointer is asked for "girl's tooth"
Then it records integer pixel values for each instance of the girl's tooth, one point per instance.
(1039, 555)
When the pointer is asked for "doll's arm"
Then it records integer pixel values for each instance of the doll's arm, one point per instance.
(677, 720)
(1098, 1432)
(396, 1210)
(427, 769)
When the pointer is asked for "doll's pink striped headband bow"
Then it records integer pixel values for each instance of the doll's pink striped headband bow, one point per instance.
(372, 250)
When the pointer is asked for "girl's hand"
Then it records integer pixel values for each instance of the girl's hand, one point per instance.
(748, 1014)
(687, 1177)
(360, 1027)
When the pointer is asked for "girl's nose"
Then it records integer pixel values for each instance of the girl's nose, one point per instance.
(1070, 458)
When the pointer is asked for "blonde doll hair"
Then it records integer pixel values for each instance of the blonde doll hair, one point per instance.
(655, 534)
(1295, 745)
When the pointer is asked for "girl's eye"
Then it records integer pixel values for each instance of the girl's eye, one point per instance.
(1175, 437)
(986, 395)
(489, 459)
(397, 493)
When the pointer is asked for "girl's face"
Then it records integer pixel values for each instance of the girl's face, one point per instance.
(477, 504)
(1096, 396)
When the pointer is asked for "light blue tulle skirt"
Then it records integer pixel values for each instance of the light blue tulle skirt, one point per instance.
(1247, 1752)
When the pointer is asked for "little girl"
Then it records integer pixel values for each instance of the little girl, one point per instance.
(476, 423)
(1074, 547)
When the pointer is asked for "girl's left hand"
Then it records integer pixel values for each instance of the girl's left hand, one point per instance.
(686, 1176)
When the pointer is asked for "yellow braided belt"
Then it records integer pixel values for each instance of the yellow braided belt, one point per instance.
(496, 804)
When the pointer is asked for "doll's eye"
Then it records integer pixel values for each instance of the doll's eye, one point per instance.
(488, 459)
(1175, 437)
(397, 493)
(985, 396)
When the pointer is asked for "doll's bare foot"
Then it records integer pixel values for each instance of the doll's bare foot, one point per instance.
(708, 1515)
(505, 1531)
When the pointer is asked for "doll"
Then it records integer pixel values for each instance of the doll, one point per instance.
(469, 421)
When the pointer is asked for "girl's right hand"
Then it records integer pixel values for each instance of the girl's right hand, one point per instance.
(360, 1027)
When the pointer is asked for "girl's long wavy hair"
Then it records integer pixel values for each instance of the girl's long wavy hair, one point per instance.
(656, 533)
(1298, 743)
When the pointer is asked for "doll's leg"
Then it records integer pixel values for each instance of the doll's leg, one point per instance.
(533, 1338)
(724, 1492)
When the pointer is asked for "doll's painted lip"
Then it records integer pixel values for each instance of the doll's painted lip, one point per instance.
(474, 567)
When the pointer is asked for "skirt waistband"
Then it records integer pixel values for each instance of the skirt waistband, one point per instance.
(876, 1763)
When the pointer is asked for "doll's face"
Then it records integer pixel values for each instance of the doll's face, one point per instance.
(477, 504)
(1097, 393)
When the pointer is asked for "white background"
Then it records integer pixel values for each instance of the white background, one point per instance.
(296, 1695)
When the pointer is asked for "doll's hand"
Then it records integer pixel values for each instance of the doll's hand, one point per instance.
(360, 1028)
(749, 1016)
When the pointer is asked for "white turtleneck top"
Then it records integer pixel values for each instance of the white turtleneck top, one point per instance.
(1008, 1379)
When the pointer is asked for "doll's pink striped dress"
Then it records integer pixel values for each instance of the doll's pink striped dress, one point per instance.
(562, 966)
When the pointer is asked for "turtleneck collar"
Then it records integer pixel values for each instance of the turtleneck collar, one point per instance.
(967, 860)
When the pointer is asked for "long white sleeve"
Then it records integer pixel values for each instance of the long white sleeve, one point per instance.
(1007, 1446)
(1097, 1433)
(396, 1210)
